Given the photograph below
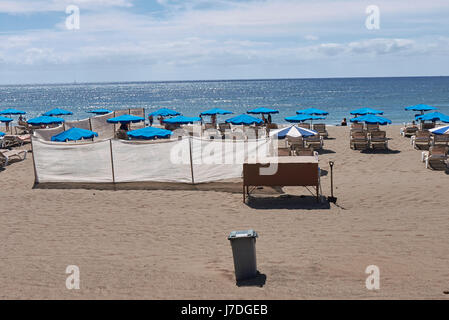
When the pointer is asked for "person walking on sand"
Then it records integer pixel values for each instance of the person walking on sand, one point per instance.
(269, 118)
(150, 119)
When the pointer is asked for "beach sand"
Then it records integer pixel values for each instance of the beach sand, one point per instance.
(138, 244)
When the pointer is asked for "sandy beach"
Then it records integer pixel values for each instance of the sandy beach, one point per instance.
(157, 244)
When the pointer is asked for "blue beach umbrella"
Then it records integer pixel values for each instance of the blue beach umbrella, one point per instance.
(10, 112)
(45, 120)
(420, 107)
(292, 131)
(215, 111)
(5, 119)
(365, 111)
(57, 112)
(313, 111)
(244, 119)
(74, 134)
(126, 118)
(303, 117)
(440, 130)
(371, 119)
(433, 116)
(149, 133)
(182, 120)
(99, 111)
(164, 112)
(262, 111)
(2, 134)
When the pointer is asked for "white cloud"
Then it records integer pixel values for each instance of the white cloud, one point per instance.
(33, 6)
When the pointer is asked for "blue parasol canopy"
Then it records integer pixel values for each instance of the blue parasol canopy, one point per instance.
(244, 119)
(9, 112)
(164, 112)
(371, 119)
(440, 130)
(420, 107)
(57, 112)
(215, 111)
(292, 131)
(303, 117)
(313, 111)
(126, 118)
(365, 111)
(262, 111)
(2, 134)
(5, 119)
(182, 120)
(148, 133)
(433, 116)
(45, 120)
(74, 134)
(99, 111)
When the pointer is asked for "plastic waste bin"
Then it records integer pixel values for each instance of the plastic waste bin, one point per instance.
(244, 251)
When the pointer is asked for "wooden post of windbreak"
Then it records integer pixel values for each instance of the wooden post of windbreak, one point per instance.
(36, 180)
(191, 158)
(112, 163)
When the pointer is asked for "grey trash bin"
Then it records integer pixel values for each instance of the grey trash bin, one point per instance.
(244, 251)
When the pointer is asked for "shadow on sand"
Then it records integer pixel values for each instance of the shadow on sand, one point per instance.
(380, 151)
(258, 281)
(287, 202)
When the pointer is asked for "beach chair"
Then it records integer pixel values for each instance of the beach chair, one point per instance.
(409, 131)
(10, 141)
(271, 126)
(223, 127)
(321, 129)
(283, 152)
(121, 134)
(427, 125)
(440, 139)
(379, 140)
(359, 140)
(304, 125)
(370, 127)
(294, 142)
(436, 159)
(209, 126)
(316, 142)
(421, 140)
(356, 127)
(6, 156)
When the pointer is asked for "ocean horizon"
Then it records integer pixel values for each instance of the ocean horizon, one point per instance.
(338, 96)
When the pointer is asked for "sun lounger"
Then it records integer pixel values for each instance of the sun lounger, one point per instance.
(10, 141)
(409, 131)
(440, 139)
(6, 156)
(316, 142)
(372, 127)
(378, 140)
(426, 126)
(359, 141)
(293, 142)
(304, 125)
(284, 152)
(356, 127)
(436, 159)
(223, 127)
(321, 129)
(421, 140)
(271, 126)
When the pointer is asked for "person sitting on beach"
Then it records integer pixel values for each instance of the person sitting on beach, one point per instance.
(124, 127)
(161, 120)
(344, 123)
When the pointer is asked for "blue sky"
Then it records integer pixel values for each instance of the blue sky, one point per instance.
(136, 40)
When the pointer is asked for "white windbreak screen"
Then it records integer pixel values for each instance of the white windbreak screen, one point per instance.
(215, 160)
(63, 162)
(46, 134)
(158, 161)
(81, 124)
(100, 125)
(162, 161)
